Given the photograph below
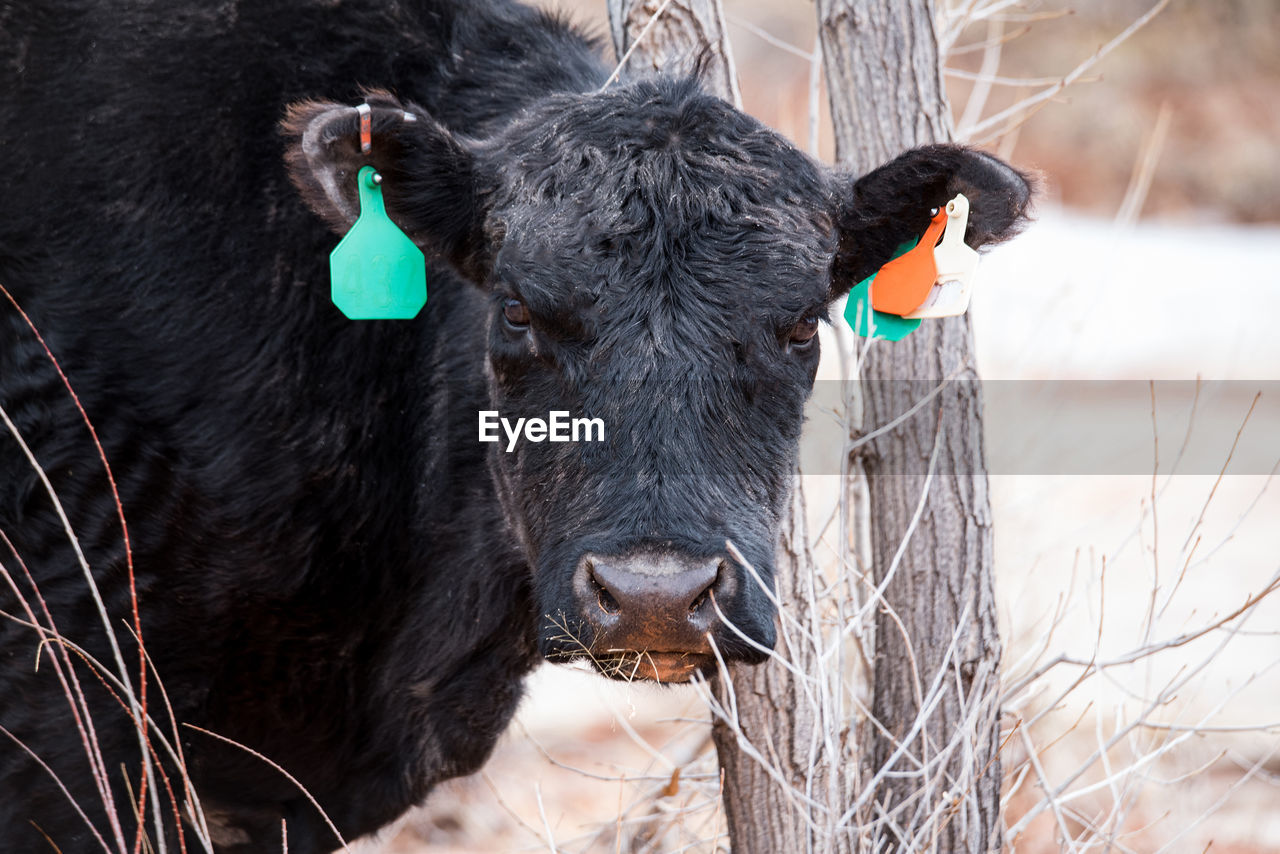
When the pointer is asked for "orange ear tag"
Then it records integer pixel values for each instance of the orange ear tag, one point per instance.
(903, 284)
(957, 267)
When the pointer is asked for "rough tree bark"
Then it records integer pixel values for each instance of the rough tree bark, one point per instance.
(886, 94)
(676, 41)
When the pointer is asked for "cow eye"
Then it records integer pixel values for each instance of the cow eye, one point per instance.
(803, 333)
(515, 313)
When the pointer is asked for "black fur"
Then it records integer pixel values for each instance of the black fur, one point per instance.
(331, 569)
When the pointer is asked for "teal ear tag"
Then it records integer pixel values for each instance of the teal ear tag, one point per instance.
(858, 310)
(376, 271)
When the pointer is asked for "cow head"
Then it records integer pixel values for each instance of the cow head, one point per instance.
(656, 259)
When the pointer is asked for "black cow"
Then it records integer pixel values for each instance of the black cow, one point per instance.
(331, 569)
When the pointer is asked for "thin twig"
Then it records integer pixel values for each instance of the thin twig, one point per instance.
(653, 19)
(1010, 114)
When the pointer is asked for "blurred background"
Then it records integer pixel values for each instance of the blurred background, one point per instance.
(1155, 255)
(1213, 64)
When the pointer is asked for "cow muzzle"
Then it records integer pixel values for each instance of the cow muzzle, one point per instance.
(650, 614)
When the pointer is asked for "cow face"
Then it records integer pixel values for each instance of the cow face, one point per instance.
(658, 261)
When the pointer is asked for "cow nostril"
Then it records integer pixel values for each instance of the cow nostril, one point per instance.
(604, 598)
(708, 593)
(607, 603)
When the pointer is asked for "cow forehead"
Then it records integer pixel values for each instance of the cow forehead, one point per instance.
(556, 259)
(659, 187)
(655, 155)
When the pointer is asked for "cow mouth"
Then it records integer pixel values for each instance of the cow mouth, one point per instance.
(652, 665)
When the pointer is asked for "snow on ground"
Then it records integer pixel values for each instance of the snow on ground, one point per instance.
(1076, 298)
(1079, 298)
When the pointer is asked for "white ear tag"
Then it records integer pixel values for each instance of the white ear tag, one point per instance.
(957, 267)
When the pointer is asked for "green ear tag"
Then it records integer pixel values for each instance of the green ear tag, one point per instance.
(376, 271)
(858, 310)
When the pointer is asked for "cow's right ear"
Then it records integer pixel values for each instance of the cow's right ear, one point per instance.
(428, 177)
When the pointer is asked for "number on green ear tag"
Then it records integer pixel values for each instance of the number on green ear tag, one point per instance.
(376, 271)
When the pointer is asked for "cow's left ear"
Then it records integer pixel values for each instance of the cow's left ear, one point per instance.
(429, 178)
(892, 205)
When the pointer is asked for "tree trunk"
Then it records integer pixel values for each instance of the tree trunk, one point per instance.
(687, 33)
(772, 716)
(887, 95)
(783, 739)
